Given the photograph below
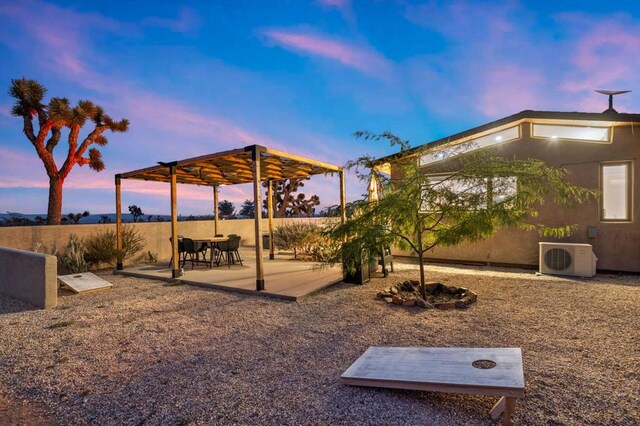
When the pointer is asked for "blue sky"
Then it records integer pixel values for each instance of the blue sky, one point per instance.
(195, 78)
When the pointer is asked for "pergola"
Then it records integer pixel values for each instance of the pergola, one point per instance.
(252, 164)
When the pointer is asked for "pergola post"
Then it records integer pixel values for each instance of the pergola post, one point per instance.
(255, 156)
(175, 266)
(118, 224)
(215, 210)
(343, 198)
(270, 216)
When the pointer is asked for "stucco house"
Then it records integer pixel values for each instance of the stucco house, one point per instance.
(600, 150)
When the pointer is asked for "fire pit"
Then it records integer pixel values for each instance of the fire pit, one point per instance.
(439, 295)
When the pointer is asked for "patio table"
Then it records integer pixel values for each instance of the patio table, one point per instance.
(211, 241)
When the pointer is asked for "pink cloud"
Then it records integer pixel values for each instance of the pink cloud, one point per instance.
(360, 58)
(508, 89)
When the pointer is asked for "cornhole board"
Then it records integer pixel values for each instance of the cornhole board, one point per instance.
(84, 282)
(444, 370)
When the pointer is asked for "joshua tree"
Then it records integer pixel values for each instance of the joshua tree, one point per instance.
(51, 119)
(104, 219)
(75, 217)
(284, 202)
(136, 212)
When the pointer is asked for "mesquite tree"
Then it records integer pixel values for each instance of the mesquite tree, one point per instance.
(467, 198)
(52, 118)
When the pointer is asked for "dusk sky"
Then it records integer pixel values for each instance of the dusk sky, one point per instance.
(199, 77)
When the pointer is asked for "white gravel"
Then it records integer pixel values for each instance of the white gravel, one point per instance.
(148, 353)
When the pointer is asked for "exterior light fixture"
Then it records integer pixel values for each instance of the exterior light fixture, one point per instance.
(554, 137)
(499, 138)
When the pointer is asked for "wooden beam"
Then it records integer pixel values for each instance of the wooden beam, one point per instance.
(272, 254)
(175, 267)
(118, 224)
(343, 197)
(258, 219)
(215, 209)
(329, 167)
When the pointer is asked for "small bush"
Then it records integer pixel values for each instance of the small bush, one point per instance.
(73, 258)
(102, 248)
(306, 241)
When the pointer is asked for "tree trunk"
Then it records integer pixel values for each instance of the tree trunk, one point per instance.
(54, 212)
(423, 289)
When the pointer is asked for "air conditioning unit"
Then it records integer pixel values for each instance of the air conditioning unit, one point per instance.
(567, 259)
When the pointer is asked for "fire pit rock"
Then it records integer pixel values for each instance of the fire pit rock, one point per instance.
(440, 296)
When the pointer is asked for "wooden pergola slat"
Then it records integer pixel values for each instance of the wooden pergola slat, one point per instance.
(252, 164)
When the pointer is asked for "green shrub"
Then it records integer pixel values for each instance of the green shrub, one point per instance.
(101, 248)
(306, 241)
(73, 258)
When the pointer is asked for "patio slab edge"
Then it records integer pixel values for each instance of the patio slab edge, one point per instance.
(263, 293)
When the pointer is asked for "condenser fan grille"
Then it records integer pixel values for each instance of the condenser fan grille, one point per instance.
(557, 259)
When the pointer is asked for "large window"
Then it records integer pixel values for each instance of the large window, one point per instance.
(616, 191)
(578, 133)
(468, 193)
(486, 141)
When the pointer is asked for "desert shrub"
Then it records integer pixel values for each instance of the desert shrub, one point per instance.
(306, 241)
(151, 257)
(101, 248)
(73, 258)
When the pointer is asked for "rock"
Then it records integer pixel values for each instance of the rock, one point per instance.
(423, 304)
(461, 304)
(462, 290)
(383, 294)
(452, 289)
(397, 300)
(433, 287)
(409, 302)
(394, 290)
(406, 286)
(388, 299)
(472, 296)
(445, 305)
(415, 283)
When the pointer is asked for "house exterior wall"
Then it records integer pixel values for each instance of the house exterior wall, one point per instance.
(617, 244)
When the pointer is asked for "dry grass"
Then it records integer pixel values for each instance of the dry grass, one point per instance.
(147, 353)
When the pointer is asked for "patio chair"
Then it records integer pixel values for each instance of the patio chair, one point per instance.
(181, 251)
(193, 251)
(229, 250)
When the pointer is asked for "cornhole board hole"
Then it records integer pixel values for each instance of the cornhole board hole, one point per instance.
(479, 371)
(84, 282)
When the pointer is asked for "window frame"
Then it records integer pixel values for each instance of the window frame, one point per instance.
(471, 139)
(547, 138)
(629, 190)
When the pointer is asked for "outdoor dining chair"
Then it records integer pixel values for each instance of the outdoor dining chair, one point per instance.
(181, 251)
(229, 250)
(195, 252)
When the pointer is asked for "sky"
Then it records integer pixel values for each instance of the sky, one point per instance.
(300, 76)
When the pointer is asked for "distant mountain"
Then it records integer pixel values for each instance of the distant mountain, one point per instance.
(94, 218)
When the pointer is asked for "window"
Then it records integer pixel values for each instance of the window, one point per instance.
(616, 191)
(580, 133)
(470, 193)
(486, 141)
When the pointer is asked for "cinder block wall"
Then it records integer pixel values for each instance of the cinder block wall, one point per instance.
(156, 234)
(27, 276)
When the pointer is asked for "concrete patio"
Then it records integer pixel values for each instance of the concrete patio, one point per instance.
(285, 278)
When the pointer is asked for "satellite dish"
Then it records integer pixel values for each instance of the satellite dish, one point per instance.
(611, 94)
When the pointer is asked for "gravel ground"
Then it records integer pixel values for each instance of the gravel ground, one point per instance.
(148, 353)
